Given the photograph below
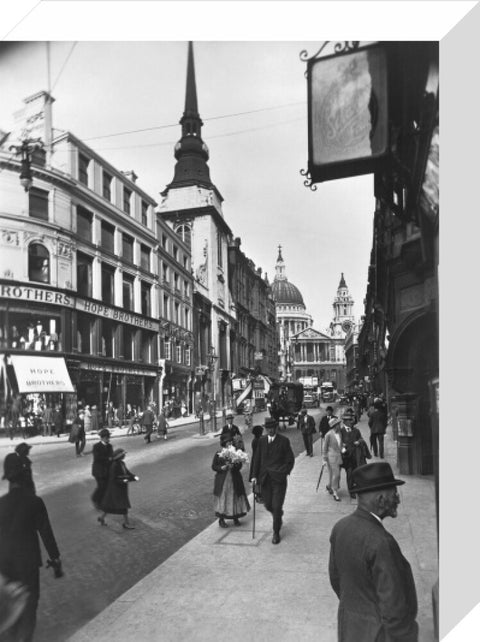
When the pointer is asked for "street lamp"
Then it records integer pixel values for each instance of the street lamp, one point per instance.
(25, 151)
(212, 359)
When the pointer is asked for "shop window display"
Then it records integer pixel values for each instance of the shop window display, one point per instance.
(37, 333)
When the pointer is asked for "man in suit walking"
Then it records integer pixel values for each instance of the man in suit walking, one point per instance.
(273, 462)
(23, 516)
(368, 572)
(306, 424)
(351, 438)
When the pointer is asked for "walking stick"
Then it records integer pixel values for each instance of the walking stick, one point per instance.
(320, 476)
(254, 502)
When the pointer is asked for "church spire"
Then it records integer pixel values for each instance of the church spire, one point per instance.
(191, 105)
(191, 168)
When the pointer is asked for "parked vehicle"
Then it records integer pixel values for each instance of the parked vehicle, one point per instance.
(285, 401)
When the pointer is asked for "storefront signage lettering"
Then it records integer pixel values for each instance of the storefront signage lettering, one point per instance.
(117, 315)
(96, 367)
(25, 293)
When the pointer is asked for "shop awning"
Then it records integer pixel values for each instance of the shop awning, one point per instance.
(41, 374)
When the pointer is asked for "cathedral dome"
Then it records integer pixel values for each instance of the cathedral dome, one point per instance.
(285, 293)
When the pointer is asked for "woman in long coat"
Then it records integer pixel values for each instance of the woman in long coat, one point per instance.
(230, 499)
(116, 501)
(332, 455)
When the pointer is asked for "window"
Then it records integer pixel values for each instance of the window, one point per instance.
(219, 249)
(107, 337)
(38, 203)
(145, 296)
(126, 199)
(107, 237)
(165, 272)
(175, 253)
(84, 333)
(144, 213)
(165, 307)
(128, 303)
(164, 241)
(107, 186)
(84, 274)
(187, 319)
(145, 257)
(187, 356)
(128, 342)
(146, 346)
(83, 163)
(179, 354)
(84, 223)
(38, 263)
(185, 234)
(177, 313)
(168, 350)
(107, 283)
(175, 282)
(127, 247)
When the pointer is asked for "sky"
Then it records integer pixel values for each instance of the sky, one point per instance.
(252, 99)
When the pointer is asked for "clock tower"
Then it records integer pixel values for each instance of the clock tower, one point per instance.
(342, 310)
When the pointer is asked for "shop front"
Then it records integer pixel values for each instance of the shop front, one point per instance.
(30, 383)
(102, 383)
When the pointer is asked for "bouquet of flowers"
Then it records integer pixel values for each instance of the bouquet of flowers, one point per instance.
(231, 455)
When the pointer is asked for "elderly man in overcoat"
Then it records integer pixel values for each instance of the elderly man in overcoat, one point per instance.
(273, 462)
(368, 572)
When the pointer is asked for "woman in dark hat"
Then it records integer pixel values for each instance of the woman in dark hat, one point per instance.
(115, 500)
(230, 499)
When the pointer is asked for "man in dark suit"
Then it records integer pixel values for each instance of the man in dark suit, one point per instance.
(21, 455)
(233, 430)
(323, 426)
(351, 439)
(273, 462)
(368, 572)
(23, 516)
(102, 458)
(306, 424)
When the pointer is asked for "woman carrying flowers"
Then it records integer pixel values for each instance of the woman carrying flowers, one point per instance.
(230, 499)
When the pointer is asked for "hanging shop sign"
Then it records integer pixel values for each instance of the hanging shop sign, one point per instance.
(41, 374)
(347, 112)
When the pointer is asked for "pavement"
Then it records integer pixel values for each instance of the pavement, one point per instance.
(235, 584)
(175, 426)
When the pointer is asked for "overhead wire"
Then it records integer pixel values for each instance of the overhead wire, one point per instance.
(64, 65)
(240, 113)
(233, 133)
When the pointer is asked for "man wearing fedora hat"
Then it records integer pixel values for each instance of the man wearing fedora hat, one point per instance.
(273, 462)
(368, 572)
(233, 430)
(20, 456)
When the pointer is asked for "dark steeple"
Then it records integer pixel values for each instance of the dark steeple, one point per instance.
(191, 152)
(342, 283)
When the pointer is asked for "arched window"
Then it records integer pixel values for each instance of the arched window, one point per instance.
(38, 263)
(185, 233)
